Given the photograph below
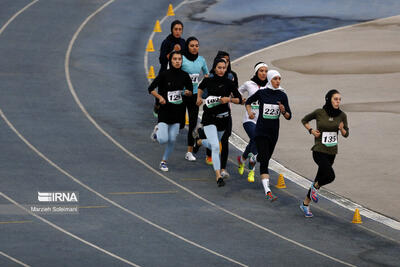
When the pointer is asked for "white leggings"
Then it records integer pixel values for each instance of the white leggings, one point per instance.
(167, 133)
(212, 143)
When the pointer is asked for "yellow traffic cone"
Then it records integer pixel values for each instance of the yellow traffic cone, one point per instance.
(356, 217)
(151, 74)
(220, 147)
(186, 119)
(157, 27)
(150, 47)
(281, 182)
(170, 11)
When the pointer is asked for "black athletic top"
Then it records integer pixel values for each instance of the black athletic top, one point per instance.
(269, 112)
(171, 85)
(217, 87)
(167, 46)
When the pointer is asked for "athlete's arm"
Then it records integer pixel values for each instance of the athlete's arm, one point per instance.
(305, 122)
(199, 100)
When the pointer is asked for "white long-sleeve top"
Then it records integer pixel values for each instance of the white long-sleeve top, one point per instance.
(250, 87)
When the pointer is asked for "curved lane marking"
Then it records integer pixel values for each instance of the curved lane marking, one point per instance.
(14, 259)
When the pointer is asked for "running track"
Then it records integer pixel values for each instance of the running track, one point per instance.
(75, 117)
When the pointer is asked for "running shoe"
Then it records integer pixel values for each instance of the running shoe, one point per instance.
(306, 210)
(163, 166)
(209, 160)
(220, 182)
(252, 161)
(189, 156)
(196, 146)
(241, 165)
(271, 197)
(314, 193)
(225, 174)
(250, 177)
(153, 135)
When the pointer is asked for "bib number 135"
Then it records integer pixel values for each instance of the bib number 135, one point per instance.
(329, 138)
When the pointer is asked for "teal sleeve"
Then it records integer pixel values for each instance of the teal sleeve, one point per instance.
(204, 67)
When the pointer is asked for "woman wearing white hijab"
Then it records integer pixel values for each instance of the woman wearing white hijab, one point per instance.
(273, 102)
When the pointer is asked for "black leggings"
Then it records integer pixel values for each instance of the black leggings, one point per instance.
(265, 148)
(224, 144)
(193, 111)
(325, 173)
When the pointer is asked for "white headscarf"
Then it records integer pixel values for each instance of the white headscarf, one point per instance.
(270, 75)
(258, 66)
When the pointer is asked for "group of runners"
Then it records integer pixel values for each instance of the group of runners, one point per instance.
(179, 88)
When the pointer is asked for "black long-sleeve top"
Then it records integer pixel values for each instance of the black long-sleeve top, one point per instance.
(269, 112)
(171, 85)
(217, 87)
(167, 46)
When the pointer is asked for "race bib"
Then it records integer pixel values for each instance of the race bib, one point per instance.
(329, 138)
(255, 105)
(212, 101)
(194, 77)
(175, 97)
(271, 111)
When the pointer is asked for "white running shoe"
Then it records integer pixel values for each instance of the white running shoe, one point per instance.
(189, 156)
(225, 174)
(153, 135)
(163, 166)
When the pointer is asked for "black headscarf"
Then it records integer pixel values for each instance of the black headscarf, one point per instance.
(216, 61)
(189, 55)
(222, 54)
(171, 37)
(257, 80)
(332, 112)
(171, 67)
(176, 22)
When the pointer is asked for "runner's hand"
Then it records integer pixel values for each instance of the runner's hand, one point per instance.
(281, 107)
(188, 93)
(341, 125)
(225, 99)
(199, 101)
(177, 47)
(162, 100)
(252, 115)
(244, 101)
(316, 133)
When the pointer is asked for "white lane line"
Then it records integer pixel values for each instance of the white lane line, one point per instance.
(16, 15)
(14, 259)
(66, 232)
(240, 144)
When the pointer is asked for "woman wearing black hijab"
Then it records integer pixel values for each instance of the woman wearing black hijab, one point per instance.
(194, 65)
(172, 85)
(329, 120)
(173, 42)
(216, 111)
(231, 75)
